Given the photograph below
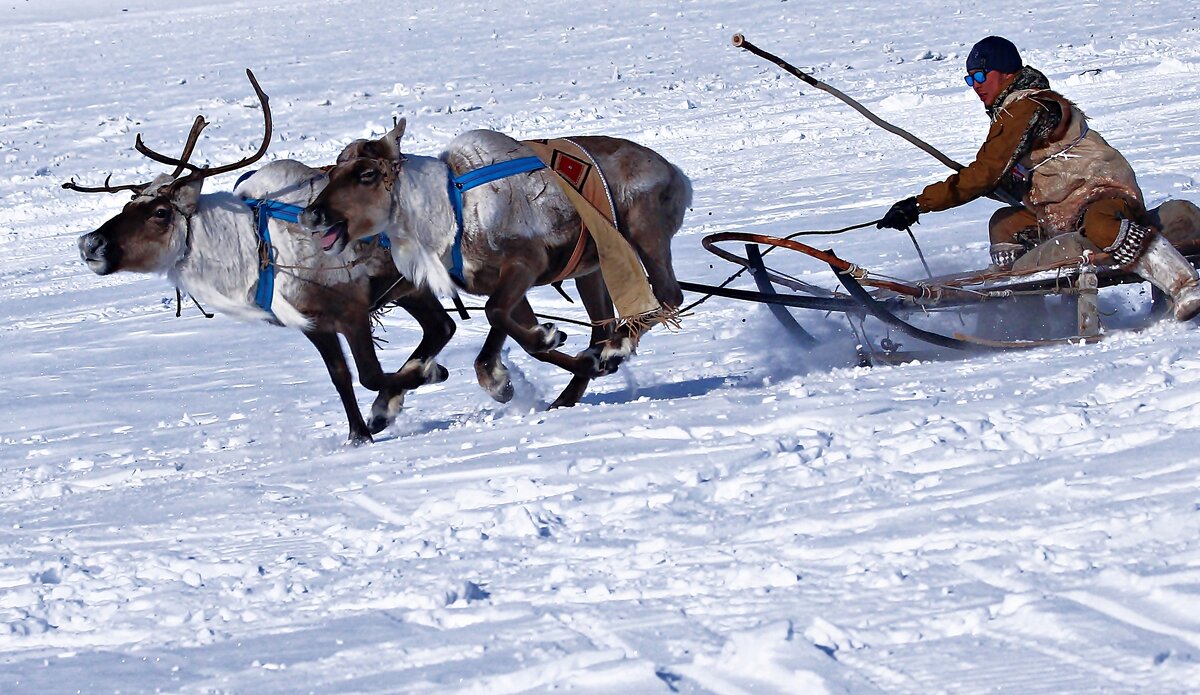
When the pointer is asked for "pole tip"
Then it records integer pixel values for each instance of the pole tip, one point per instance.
(738, 40)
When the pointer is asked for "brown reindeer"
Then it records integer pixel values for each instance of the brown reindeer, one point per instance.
(516, 232)
(212, 247)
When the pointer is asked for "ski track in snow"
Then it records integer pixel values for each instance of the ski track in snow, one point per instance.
(731, 514)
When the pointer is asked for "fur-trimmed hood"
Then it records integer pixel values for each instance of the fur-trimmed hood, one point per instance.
(1027, 78)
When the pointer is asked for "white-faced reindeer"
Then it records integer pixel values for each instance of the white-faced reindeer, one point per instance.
(509, 234)
(256, 266)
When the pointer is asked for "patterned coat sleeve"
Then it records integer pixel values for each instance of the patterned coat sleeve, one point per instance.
(999, 152)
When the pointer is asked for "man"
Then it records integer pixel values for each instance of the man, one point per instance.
(1070, 180)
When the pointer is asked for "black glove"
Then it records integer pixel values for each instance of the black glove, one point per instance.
(902, 215)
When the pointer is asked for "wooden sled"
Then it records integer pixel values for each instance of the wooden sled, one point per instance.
(897, 303)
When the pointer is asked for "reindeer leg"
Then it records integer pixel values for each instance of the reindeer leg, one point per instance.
(339, 372)
(523, 313)
(436, 325)
(436, 330)
(508, 310)
(600, 310)
(662, 276)
(391, 387)
(653, 246)
(514, 282)
(597, 360)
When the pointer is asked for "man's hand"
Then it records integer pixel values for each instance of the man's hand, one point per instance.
(902, 215)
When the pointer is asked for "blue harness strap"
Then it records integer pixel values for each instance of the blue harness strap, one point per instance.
(465, 182)
(264, 212)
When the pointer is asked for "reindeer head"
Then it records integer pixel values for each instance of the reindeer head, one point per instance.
(150, 234)
(357, 201)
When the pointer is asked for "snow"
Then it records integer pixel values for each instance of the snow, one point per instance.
(730, 513)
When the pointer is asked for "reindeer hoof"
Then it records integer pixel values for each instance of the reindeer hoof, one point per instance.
(605, 358)
(384, 411)
(425, 371)
(618, 348)
(599, 364)
(438, 374)
(549, 338)
(609, 365)
(358, 439)
(562, 402)
(495, 381)
(503, 393)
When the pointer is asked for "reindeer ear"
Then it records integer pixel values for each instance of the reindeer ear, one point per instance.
(187, 196)
(393, 137)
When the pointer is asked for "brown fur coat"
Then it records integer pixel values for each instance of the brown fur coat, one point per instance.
(1069, 165)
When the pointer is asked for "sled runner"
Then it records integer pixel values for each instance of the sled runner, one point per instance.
(899, 305)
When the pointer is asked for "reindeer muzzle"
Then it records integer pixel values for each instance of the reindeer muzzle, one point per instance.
(96, 253)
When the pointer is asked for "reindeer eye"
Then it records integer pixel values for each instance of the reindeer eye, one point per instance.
(368, 176)
(161, 213)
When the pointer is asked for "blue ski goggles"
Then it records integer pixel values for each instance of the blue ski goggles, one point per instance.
(976, 77)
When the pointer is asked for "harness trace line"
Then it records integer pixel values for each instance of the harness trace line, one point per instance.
(744, 267)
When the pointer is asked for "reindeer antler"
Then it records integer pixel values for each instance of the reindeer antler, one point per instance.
(106, 188)
(198, 125)
(202, 173)
(182, 163)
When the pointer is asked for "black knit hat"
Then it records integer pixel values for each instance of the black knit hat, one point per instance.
(994, 53)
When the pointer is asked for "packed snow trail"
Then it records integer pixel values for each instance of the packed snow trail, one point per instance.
(728, 514)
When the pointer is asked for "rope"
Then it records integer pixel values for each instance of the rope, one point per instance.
(266, 258)
(552, 317)
(769, 249)
(857, 272)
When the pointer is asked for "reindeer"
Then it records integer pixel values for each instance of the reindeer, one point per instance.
(216, 248)
(515, 232)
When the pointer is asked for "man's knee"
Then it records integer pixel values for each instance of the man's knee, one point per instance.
(1012, 226)
(1102, 221)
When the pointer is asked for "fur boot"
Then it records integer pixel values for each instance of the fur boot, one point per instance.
(1163, 265)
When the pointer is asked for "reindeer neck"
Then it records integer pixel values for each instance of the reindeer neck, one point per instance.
(421, 223)
(221, 253)
(421, 208)
(222, 265)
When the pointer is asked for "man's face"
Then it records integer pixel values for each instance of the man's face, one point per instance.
(993, 83)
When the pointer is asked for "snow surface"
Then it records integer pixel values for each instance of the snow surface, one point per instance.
(729, 514)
